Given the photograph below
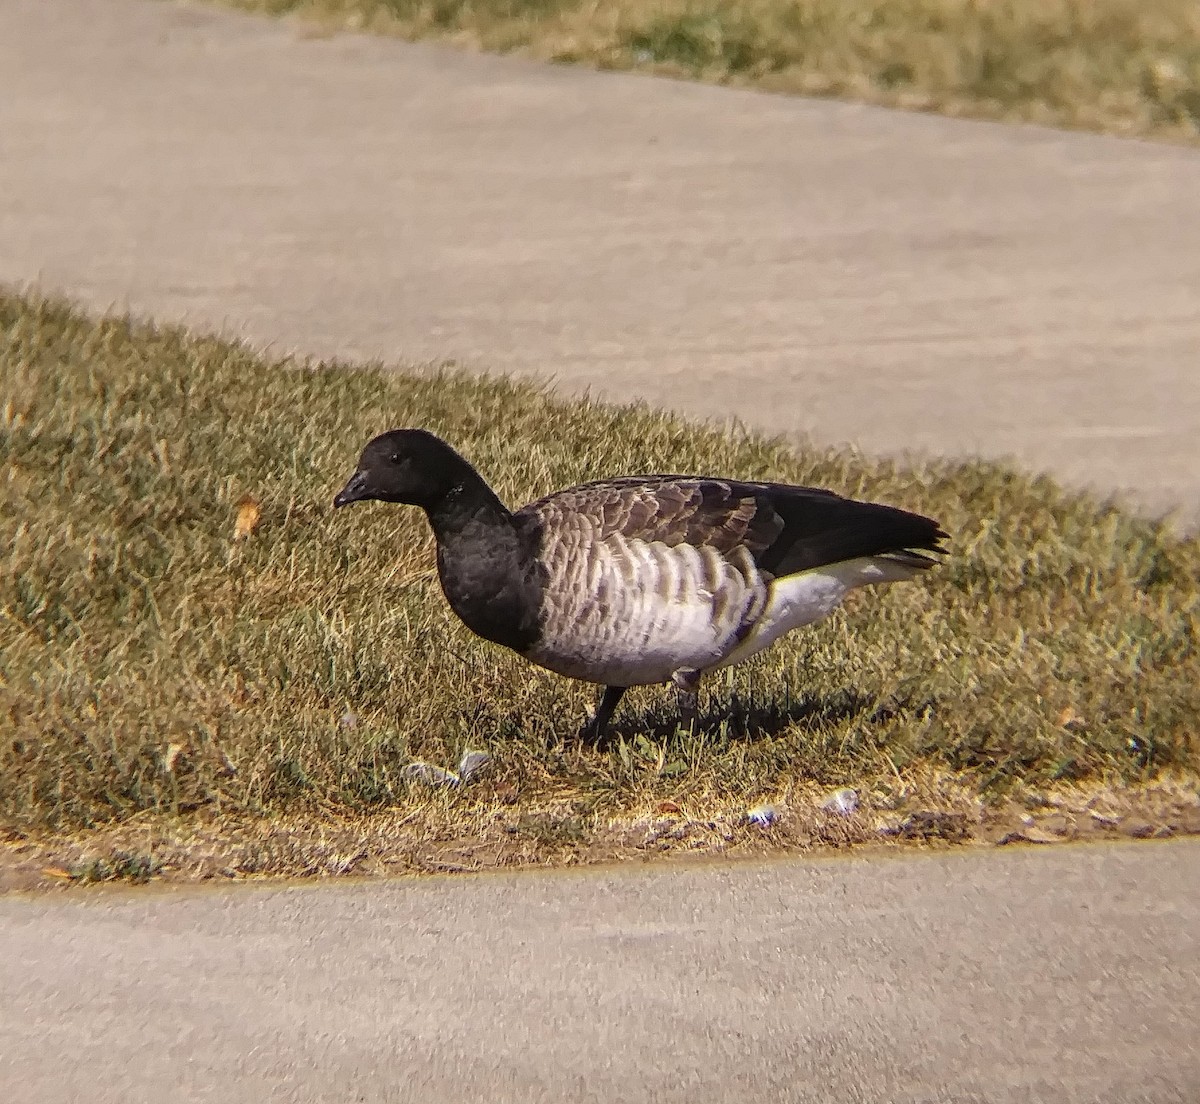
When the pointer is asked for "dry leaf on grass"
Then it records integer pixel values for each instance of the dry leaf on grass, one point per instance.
(248, 516)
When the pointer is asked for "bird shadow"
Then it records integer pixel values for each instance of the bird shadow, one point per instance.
(746, 718)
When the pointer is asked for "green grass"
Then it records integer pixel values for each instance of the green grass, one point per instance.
(1115, 65)
(155, 670)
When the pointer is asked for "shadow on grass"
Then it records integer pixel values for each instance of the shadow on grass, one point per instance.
(735, 718)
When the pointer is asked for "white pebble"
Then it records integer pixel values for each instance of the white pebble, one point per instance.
(472, 763)
(763, 815)
(843, 802)
(430, 775)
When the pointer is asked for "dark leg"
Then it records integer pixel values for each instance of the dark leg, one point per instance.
(593, 731)
(687, 694)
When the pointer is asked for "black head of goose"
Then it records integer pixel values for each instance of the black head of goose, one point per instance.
(641, 579)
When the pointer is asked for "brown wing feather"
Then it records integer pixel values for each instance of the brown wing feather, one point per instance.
(785, 529)
(671, 509)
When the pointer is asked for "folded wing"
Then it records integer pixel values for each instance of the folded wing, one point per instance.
(785, 529)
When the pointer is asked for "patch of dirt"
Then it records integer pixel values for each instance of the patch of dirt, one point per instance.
(198, 849)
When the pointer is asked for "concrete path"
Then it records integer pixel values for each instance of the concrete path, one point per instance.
(891, 280)
(1064, 977)
(895, 281)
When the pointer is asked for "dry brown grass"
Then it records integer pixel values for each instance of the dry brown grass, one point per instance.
(159, 676)
(1112, 65)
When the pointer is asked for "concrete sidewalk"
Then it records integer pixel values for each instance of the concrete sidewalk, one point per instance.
(895, 281)
(1063, 976)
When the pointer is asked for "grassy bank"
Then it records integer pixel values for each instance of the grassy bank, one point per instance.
(169, 677)
(1110, 65)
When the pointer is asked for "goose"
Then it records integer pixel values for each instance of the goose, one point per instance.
(640, 580)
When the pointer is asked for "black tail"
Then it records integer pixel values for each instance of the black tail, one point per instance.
(822, 528)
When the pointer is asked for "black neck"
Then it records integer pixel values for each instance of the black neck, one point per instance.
(468, 507)
(485, 569)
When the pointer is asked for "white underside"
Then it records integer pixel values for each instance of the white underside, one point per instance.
(799, 600)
